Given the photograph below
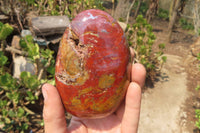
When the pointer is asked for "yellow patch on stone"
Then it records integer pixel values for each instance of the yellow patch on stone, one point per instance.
(90, 33)
(106, 81)
(82, 79)
(76, 101)
(72, 65)
(114, 100)
(104, 106)
(114, 58)
(85, 91)
(121, 87)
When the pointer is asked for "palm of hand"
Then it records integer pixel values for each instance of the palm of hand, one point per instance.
(110, 124)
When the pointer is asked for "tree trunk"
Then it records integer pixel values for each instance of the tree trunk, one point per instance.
(137, 10)
(173, 19)
(129, 11)
(196, 19)
(171, 9)
(180, 8)
(122, 9)
(153, 8)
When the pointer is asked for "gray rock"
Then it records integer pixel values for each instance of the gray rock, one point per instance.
(25, 33)
(49, 25)
(22, 64)
(41, 42)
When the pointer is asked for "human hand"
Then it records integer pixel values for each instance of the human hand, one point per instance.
(125, 119)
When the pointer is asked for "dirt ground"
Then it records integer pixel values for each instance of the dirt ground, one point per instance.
(162, 105)
(170, 106)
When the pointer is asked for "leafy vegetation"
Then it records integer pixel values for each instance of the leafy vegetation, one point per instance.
(47, 7)
(5, 30)
(17, 95)
(141, 39)
(185, 24)
(143, 7)
(197, 111)
(164, 14)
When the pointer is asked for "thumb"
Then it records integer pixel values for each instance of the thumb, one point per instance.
(53, 111)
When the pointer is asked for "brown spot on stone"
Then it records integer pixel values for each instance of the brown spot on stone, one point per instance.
(72, 59)
(72, 65)
(106, 81)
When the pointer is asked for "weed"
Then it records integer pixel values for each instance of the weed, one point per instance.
(185, 24)
(164, 14)
(141, 39)
(197, 111)
(18, 95)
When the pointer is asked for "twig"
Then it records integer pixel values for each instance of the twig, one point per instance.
(2, 97)
(127, 17)
(12, 10)
(137, 10)
(189, 17)
(1, 92)
(64, 7)
(40, 73)
(18, 18)
(113, 7)
(40, 6)
(38, 92)
(68, 4)
(28, 110)
(3, 12)
(42, 69)
(13, 50)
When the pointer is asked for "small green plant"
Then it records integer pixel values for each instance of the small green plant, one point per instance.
(164, 14)
(46, 7)
(197, 111)
(3, 62)
(12, 104)
(143, 7)
(198, 56)
(141, 38)
(199, 32)
(42, 58)
(5, 30)
(185, 24)
(197, 88)
(76, 6)
(17, 96)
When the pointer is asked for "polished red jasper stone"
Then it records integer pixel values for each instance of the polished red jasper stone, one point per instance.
(91, 66)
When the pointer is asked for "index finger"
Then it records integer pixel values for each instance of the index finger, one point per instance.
(138, 74)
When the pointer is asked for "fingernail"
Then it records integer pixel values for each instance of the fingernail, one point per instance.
(44, 92)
